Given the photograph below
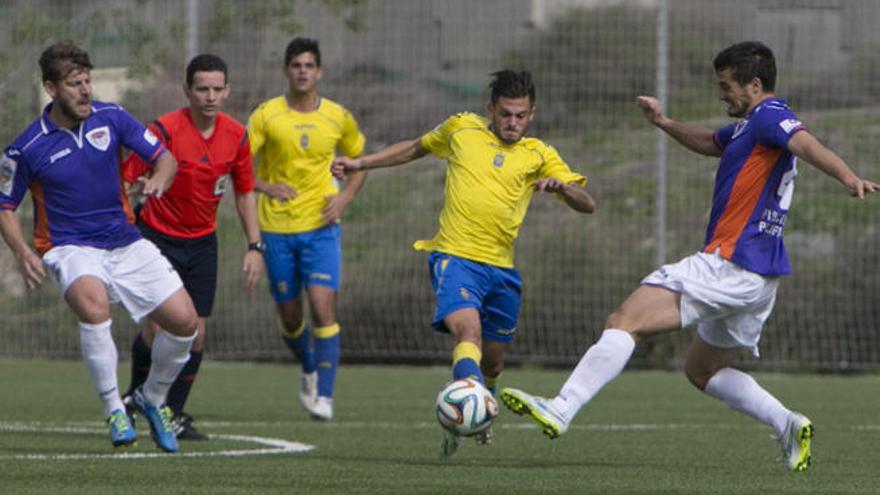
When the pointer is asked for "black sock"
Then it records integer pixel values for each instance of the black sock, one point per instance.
(141, 360)
(180, 389)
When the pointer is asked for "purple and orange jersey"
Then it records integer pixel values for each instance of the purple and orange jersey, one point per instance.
(74, 177)
(753, 188)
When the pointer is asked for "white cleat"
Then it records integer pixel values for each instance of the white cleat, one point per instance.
(795, 442)
(485, 437)
(321, 409)
(308, 390)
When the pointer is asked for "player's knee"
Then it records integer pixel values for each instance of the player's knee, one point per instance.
(698, 375)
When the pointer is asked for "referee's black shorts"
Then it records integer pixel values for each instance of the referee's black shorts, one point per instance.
(195, 261)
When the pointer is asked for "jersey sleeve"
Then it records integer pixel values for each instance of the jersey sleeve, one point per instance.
(353, 140)
(436, 141)
(243, 168)
(14, 179)
(724, 135)
(136, 137)
(777, 128)
(134, 166)
(556, 168)
(255, 131)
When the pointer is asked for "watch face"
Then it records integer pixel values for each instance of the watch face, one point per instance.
(257, 246)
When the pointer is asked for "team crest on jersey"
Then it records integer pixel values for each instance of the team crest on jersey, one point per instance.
(498, 161)
(7, 172)
(150, 137)
(304, 141)
(99, 138)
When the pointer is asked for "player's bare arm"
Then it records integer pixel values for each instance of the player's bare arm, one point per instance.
(275, 190)
(30, 265)
(336, 204)
(396, 154)
(695, 138)
(163, 174)
(252, 264)
(806, 147)
(576, 197)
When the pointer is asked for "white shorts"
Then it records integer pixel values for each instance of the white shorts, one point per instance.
(136, 275)
(729, 304)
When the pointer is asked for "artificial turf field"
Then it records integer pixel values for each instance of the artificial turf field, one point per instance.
(648, 432)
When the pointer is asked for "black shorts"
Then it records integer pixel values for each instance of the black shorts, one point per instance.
(195, 261)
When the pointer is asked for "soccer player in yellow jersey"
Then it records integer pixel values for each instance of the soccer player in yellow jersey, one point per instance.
(493, 170)
(294, 138)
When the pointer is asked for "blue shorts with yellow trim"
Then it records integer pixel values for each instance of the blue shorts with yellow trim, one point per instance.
(306, 258)
(493, 291)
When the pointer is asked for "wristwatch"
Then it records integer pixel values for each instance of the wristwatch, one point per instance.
(257, 246)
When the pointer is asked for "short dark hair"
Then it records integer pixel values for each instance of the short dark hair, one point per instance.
(512, 84)
(748, 60)
(62, 58)
(302, 45)
(204, 63)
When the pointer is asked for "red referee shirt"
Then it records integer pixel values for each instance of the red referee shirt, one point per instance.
(188, 209)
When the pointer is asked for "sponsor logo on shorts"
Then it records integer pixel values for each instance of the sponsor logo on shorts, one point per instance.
(321, 276)
(505, 332)
(464, 293)
(99, 138)
(281, 287)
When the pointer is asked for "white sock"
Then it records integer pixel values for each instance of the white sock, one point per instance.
(169, 354)
(602, 362)
(742, 393)
(100, 356)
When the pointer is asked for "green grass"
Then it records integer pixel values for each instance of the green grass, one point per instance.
(649, 432)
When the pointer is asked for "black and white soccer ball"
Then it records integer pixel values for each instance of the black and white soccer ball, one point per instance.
(465, 407)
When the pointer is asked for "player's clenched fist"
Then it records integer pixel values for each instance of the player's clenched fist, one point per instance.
(344, 165)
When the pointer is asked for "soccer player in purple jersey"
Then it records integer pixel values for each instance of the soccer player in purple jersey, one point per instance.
(85, 239)
(728, 288)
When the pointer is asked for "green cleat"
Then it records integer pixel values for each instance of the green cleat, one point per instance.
(449, 444)
(552, 423)
(796, 442)
(122, 433)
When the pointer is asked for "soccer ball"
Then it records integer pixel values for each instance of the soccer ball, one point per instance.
(465, 407)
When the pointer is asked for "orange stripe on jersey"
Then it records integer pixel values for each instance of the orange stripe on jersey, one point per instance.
(743, 197)
(42, 242)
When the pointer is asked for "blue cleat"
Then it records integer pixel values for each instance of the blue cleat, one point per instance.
(159, 418)
(122, 433)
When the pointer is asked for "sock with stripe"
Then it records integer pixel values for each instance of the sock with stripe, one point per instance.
(179, 391)
(100, 357)
(170, 354)
(299, 341)
(326, 358)
(466, 361)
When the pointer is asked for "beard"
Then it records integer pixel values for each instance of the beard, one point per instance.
(69, 111)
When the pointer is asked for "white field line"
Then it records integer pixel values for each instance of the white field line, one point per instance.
(268, 446)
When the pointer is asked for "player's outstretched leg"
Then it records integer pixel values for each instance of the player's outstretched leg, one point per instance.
(795, 442)
(122, 433)
(159, 417)
(542, 412)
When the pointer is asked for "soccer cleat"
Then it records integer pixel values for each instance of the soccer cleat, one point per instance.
(308, 389)
(485, 437)
(449, 444)
(130, 411)
(122, 433)
(321, 409)
(552, 423)
(795, 442)
(184, 429)
(159, 419)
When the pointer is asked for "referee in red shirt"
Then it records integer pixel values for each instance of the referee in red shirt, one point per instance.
(212, 151)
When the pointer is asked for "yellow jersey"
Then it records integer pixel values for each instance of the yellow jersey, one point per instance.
(489, 185)
(296, 149)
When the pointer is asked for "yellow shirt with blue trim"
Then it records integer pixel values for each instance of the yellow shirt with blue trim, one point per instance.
(489, 185)
(296, 149)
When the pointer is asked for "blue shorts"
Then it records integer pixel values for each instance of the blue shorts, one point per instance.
(307, 258)
(493, 291)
